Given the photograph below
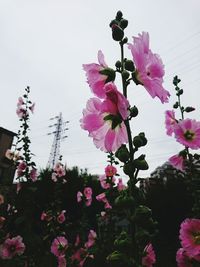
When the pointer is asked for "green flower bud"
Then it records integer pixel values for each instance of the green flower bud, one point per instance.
(118, 64)
(117, 33)
(110, 73)
(125, 40)
(140, 163)
(125, 75)
(119, 15)
(113, 22)
(123, 23)
(129, 168)
(133, 111)
(189, 109)
(129, 65)
(122, 154)
(144, 140)
(175, 105)
(137, 141)
(142, 213)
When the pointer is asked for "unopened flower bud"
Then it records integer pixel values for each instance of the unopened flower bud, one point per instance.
(125, 74)
(129, 168)
(113, 22)
(134, 111)
(118, 64)
(125, 40)
(129, 65)
(123, 23)
(110, 73)
(140, 163)
(189, 109)
(122, 154)
(117, 33)
(175, 105)
(119, 15)
(137, 141)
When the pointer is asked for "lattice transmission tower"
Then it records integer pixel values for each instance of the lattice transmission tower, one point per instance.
(59, 135)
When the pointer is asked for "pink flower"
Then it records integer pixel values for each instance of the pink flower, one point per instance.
(54, 177)
(190, 237)
(98, 75)
(104, 120)
(120, 185)
(59, 169)
(12, 247)
(33, 175)
(20, 102)
(101, 197)
(61, 217)
(91, 239)
(88, 192)
(103, 182)
(79, 196)
(149, 258)
(21, 168)
(170, 121)
(149, 67)
(187, 132)
(59, 246)
(45, 217)
(21, 112)
(110, 171)
(177, 162)
(62, 261)
(182, 258)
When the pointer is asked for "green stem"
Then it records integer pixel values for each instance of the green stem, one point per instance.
(124, 86)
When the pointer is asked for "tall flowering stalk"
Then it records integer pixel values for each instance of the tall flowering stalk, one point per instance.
(107, 119)
(25, 166)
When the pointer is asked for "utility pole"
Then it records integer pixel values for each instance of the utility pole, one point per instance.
(59, 135)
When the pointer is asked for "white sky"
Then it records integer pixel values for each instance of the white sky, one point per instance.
(43, 44)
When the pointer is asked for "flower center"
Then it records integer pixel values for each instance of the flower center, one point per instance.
(197, 238)
(12, 248)
(115, 120)
(189, 135)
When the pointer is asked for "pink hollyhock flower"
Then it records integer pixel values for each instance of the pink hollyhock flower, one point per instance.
(110, 171)
(182, 259)
(21, 168)
(62, 261)
(170, 121)
(177, 162)
(91, 239)
(101, 197)
(12, 247)
(190, 237)
(104, 120)
(120, 185)
(79, 196)
(107, 205)
(1, 199)
(20, 102)
(61, 217)
(149, 67)
(33, 175)
(59, 169)
(78, 240)
(54, 177)
(45, 217)
(149, 257)
(187, 132)
(88, 192)
(21, 112)
(98, 75)
(59, 246)
(103, 182)
(2, 220)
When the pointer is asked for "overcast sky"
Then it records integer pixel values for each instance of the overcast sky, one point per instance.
(43, 44)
